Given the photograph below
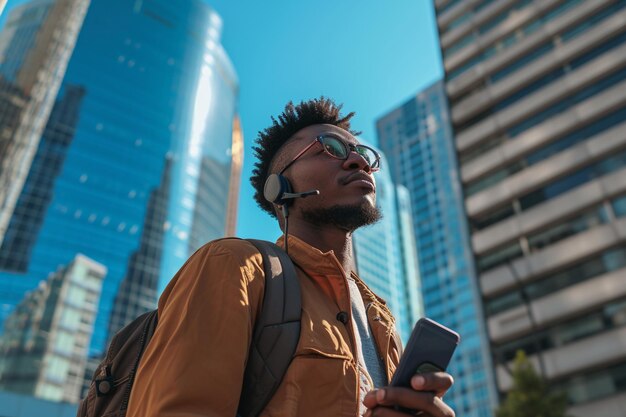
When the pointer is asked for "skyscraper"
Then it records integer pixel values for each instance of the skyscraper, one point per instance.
(29, 212)
(143, 121)
(35, 47)
(417, 139)
(138, 290)
(43, 351)
(386, 255)
(537, 93)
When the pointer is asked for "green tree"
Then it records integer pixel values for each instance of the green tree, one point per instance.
(530, 395)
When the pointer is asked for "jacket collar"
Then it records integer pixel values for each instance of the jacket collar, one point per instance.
(311, 259)
(323, 267)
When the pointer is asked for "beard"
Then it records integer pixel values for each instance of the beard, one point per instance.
(348, 218)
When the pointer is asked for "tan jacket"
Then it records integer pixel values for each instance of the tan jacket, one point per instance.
(195, 363)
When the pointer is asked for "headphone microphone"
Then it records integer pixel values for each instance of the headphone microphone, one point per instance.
(300, 195)
(277, 190)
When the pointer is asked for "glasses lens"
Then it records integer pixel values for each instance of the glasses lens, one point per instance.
(367, 154)
(334, 147)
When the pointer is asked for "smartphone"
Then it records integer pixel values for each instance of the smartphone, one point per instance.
(429, 349)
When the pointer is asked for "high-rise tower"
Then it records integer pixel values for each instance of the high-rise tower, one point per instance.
(417, 139)
(537, 91)
(35, 47)
(386, 255)
(125, 170)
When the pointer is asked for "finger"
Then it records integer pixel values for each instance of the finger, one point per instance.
(385, 412)
(370, 399)
(414, 400)
(437, 382)
(388, 412)
(391, 412)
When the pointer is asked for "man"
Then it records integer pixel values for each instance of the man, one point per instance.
(348, 347)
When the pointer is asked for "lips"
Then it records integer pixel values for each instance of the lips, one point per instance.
(360, 178)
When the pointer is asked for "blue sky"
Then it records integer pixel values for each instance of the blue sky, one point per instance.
(371, 55)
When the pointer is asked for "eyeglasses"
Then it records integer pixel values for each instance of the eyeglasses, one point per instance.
(339, 149)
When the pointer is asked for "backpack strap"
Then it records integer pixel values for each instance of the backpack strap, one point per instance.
(276, 332)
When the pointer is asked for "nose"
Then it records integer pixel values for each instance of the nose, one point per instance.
(356, 161)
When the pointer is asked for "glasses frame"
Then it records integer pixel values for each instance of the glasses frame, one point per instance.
(350, 147)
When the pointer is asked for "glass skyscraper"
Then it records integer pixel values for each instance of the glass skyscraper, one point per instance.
(386, 255)
(417, 139)
(537, 92)
(35, 47)
(134, 168)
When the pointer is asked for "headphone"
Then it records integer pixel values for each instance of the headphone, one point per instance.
(277, 190)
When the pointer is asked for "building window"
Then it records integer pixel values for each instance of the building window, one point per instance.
(604, 318)
(560, 186)
(491, 218)
(498, 257)
(605, 262)
(568, 141)
(560, 231)
(619, 206)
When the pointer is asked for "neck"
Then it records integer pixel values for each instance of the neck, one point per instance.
(326, 239)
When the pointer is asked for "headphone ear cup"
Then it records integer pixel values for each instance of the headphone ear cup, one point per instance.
(275, 187)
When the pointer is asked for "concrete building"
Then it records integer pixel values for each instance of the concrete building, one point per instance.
(386, 255)
(43, 350)
(417, 139)
(537, 91)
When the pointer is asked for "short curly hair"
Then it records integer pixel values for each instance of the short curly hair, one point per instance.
(294, 118)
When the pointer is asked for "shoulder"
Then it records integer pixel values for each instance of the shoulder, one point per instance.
(229, 246)
(219, 264)
(230, 251)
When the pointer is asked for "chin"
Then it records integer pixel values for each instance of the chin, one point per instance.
(348, 217)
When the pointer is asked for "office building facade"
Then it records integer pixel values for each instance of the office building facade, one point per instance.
(537, 91)
(43, 350)
(386, 256)
(142, 125)
(417, 139)
(35, 47)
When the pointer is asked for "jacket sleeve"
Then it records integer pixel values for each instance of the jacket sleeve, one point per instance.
(194, 364)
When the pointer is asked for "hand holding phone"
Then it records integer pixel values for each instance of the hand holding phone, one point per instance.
(429, 349)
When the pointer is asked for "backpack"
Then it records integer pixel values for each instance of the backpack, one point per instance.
(275, 336)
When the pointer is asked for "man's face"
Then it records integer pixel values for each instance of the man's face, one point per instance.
(347, 188)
